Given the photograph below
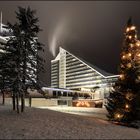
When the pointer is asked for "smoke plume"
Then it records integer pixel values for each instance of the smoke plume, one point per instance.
(57, 36)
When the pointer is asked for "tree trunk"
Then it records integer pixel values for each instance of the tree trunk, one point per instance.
(14, 102)
(17, 99)
(22, 102)
(2, 90)
(30, 101)
(3, 96)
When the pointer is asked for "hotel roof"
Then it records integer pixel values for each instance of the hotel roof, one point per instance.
(98, 70)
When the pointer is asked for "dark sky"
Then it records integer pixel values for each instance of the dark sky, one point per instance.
(89, 29)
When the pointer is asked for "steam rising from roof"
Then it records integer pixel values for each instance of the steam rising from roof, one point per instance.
(57, 36)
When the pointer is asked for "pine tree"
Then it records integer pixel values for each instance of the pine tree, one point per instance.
(14, 49)
(122, 102)
(31, 61)
(6, 71)
(3, 75)
(22, 60)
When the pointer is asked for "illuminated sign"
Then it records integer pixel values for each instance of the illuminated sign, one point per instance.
(82, 104)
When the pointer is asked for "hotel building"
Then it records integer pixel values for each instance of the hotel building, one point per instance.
(71, 72)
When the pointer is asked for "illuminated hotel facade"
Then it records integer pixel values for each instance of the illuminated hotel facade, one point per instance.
(70, 72)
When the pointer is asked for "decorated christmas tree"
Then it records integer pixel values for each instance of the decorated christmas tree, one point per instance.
(123, 101)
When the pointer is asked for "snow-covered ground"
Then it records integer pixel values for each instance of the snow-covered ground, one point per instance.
(92, 112)
(37, 123)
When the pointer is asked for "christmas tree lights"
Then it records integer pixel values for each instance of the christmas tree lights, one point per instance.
(125, 98)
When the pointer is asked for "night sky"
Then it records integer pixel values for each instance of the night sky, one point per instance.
(89, 29)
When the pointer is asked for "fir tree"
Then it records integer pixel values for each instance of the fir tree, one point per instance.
(6, 70)
(2, 76)
(122, 102)
(31, 61)
(22, 58)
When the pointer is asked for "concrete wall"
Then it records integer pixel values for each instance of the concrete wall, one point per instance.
(39, 102)
(36, 102)
(67, 101)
